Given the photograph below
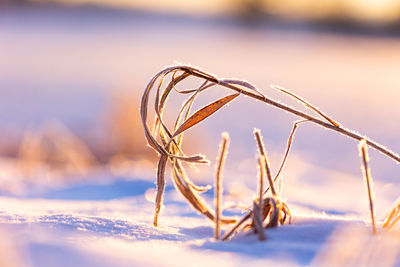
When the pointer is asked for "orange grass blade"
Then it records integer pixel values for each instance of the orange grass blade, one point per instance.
(205, 112)
(394, 213)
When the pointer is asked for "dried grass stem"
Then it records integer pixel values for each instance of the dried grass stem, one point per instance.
(261, 148)
(368, 182)
(218, 184)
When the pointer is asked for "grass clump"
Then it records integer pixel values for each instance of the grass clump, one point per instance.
(267, 210)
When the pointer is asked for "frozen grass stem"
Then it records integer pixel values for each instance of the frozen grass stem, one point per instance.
(261, 149)
(223, 148)
(368, 181)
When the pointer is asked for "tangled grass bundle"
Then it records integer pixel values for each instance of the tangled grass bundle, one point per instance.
(167, 142)
(267, 211)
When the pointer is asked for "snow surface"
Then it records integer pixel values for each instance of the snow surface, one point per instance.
(72, 229)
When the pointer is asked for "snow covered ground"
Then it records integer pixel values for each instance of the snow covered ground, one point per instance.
(107, 221)
(118, 231)
(62, 66)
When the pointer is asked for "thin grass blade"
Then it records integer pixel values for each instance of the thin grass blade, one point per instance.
(368, 181)
(305, 103)
(267, 169)
(160, 186)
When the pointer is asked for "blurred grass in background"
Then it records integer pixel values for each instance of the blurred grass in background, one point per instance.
(337, 13)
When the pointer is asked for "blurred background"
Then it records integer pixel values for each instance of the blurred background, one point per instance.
(72, 74)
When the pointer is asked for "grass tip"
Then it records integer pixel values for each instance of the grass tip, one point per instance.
(225, 135)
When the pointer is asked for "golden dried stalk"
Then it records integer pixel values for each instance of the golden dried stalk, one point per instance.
(368, 181)
(275, 212)
(257, 221)
(261, 149)
(393, 216)
(218, 184)
(260, 183)
(160, 186)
